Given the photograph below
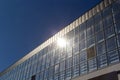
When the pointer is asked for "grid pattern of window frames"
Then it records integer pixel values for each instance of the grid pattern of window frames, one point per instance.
(93, 45)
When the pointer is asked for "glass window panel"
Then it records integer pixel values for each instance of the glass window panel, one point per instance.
(90, 41)
(57, 68)
(90, 31)
(57, 56)
(56, 76)
(44, 59)
(68, 74)
(69, 51)
(48, 60)
(76, 48)
(117, 17)
(83, 67)
(107, 11)
(62, 54)
(90, 22)
(102, 60)
(77, 30)
(50, 78)
(117, 27)
(113, 57)
(75, 70)
(62, 75)
(118, 39)
(70, 34)
(82, 44)
(45, 74)
(62, 66)
(97, 17)
(76, 40)
(75, 59)
(42, 67)
(100, 36)
(111, 43)
(52, 58)
(107, 21)
(91, 52)
(69, 62)
(100, 48)
(98, 26)
(41, 76)
(92, 64)
(82, 27)
(83, 56)
(116, 7)
(109, 32)
(82, 35)
(51, 71)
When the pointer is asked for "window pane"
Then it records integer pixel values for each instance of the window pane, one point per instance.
(77, 30)
(69, 51)
(68, 74)
(83, 67)
(56, 77)
(90, 31)
(82, 27)
(76, 48)
(90, 22)
(82, 35)
(75, 59)
(111, 43)
(109, 32)
(107, 21)
(118, 40)
(107, 11)
(116, 7)
(97, 18)
(100, 36)
(91, 52)
(62, 66)
(75, 70)
(45, 74)
(102, 60)
(51, 71)
(113, 57)
(82, 45)
(69, 62)
(57, 68)
(83, 56)
(117, 27)
(62, 75)
(98, 26)
(100, 48)
(117, 17)
(90, 41)
(92, 64)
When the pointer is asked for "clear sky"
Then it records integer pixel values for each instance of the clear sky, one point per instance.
(25, 24)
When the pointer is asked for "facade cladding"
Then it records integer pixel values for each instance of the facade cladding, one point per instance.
(92, 52)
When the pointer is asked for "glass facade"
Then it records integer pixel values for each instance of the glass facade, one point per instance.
(92, 45)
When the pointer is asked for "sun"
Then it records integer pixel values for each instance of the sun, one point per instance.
(61, 42)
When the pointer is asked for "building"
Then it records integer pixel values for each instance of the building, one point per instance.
(87, 49)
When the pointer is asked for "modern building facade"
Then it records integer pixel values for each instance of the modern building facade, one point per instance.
(90, 50)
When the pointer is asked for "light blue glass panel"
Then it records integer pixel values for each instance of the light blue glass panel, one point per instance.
(113, 57)
(92, 64)
(83, 67)
(68, 74)
(75, 70)
(102, 60)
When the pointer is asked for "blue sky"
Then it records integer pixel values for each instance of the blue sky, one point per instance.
(25, 24)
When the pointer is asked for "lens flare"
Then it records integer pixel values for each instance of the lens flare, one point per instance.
(61, 42)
